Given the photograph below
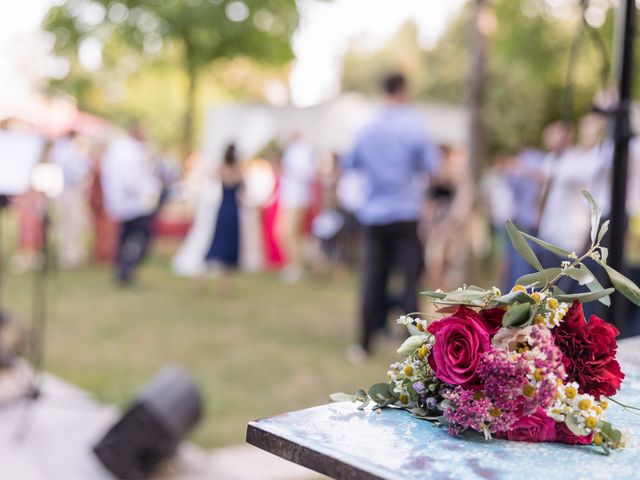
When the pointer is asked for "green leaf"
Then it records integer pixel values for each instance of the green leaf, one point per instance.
(612, 434)
(595, 286)
(558, 291)
(585, 296)
(621, 283)
(581, 274)
(521, 246)
(380, 392)
(442, 421)
(572, 425)
(604, 254)
(513, 297)
(561, 252)
(422, 414)
(516, 315)
(595, 213)
(465, 295)
(361, 395)
(603, 230)
(430, 294)
(343, 397)
(410, 345)
(539, 277)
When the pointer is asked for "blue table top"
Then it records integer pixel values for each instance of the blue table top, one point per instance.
(394, 445)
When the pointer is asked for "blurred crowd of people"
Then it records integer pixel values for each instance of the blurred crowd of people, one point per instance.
(103, 208)
(407, 210)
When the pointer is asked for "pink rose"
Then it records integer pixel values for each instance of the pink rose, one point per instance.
(537, 427)
(460, 341)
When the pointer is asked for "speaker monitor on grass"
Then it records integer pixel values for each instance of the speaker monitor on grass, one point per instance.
(153, 426)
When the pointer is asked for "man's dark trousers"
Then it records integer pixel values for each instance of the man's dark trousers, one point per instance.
(133, 243)
(385, 244)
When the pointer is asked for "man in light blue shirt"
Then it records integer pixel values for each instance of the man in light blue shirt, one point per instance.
(394, 156)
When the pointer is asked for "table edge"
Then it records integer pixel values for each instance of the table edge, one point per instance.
(305, 456)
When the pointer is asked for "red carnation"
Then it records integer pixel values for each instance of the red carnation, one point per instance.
(589, 350)
(564, 435)
(492, 319)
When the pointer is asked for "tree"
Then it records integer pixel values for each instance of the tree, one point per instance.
(526, 71)
(192, 32)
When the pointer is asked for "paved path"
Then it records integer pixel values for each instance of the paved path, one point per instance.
(52, 440)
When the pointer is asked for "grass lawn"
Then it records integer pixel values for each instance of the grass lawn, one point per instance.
(266, 349)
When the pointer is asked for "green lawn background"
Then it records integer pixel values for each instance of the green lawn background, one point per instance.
(265, 349)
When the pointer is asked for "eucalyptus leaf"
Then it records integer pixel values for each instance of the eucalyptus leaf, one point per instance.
(465, 295)
(517, 315)
(595, 213)
(521, 246)
(477, 288)
(581, 274)
(561, 252)
(410, 345)
(380, 392)
(558, 291)
(604, 254)
(430, 294)
(595, 286)
(361, 395)
(612, 434)
(422, 414)
(442, 421)
(603, 230)
(513, 297)
(585, 296)
(539, 277)
(572, 425)
(621, 283)
(343, 397)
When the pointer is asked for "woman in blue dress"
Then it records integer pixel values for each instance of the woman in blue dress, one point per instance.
(224, 249)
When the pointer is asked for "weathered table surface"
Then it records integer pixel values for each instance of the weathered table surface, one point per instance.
(344, 443)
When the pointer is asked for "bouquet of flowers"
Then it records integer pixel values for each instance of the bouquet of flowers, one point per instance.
(525, 365)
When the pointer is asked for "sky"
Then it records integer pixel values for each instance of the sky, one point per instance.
(326, 30)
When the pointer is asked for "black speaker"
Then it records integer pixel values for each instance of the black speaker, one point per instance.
(152, 427)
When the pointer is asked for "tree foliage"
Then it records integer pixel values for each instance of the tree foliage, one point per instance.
(527, 72)
(159, 35)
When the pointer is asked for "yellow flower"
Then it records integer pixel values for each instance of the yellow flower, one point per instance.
(536, 297)
(408, 371)
(538, 374)
(519, 288)
(597, 439)
(584, 404)
(404, 398)
(538, 319)
(423, 351)
(590, 422)
(553, 303)
(570, 392)
(420, 327)
(597, 409)
(495, 412)
(604, 404)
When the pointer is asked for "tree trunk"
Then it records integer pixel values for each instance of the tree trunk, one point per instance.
(189, 114)
(477, 78)
(480, 28)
